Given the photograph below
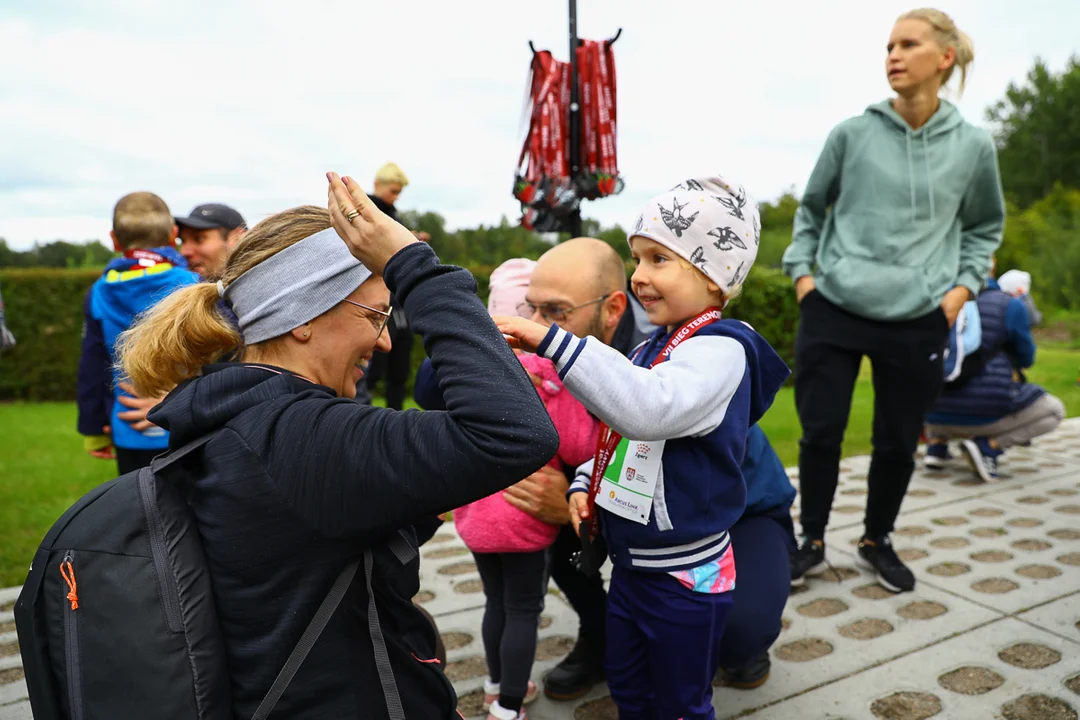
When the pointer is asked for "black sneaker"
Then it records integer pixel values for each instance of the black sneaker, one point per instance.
(807, 560)
(879, 556)
(578, 672)
(750, 676)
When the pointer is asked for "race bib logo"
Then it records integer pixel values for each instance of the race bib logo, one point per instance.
(643, 449)
(630, 473)
(611, 494)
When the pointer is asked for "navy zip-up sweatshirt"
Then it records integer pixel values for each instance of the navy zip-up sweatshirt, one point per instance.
(702, 401)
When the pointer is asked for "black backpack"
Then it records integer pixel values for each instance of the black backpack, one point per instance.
(117, 617)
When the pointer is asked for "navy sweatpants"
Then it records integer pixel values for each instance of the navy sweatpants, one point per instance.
(663, 646)
(762, 546)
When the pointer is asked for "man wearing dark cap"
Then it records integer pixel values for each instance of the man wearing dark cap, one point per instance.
(207, 235)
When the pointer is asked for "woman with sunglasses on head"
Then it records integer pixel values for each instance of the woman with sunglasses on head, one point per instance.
(299, 481)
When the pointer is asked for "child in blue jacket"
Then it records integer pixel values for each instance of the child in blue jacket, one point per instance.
(149, 269)
(667, 483)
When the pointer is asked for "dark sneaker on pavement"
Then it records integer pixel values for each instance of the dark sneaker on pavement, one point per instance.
(879, 556)
(982, 457)
(807, 560)
(937, 455)
(750, 676)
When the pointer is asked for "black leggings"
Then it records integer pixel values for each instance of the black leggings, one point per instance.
(907, 363)
(515, 585)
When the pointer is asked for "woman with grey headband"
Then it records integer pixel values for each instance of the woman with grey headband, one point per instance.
(299, 481)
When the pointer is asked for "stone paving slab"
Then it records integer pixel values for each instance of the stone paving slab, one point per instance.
(993, 556)
(968, 663)
(1060, 616)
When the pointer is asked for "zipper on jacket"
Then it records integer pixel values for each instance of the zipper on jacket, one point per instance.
(72, 655)
(170, 596)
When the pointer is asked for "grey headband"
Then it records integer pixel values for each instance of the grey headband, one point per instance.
(294, 286)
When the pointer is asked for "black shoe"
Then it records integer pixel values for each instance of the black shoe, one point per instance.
(750, 676)
(578, 672)
(807, 560)
(879, 556)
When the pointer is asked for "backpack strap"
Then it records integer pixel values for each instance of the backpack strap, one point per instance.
(378, 643)
(311, 634)
(165, 460)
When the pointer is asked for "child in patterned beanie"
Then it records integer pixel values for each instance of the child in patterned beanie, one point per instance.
(665, 483)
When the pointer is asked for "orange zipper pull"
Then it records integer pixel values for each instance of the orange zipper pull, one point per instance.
(68, 573)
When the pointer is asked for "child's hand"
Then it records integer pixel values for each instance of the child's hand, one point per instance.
(521, 333)
(579, 510)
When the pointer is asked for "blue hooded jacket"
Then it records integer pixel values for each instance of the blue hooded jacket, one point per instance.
(128, 287)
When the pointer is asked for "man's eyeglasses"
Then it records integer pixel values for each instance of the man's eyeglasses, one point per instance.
(384, 314)
(554, 313)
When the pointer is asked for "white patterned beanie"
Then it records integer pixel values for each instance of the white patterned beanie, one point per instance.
(709, 222)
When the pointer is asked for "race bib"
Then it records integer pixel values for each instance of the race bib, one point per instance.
(629, 482)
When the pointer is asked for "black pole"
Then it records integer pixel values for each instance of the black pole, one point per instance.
(575, 119)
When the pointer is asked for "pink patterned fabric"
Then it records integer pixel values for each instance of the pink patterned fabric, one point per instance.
(712, 578)
(492, 524)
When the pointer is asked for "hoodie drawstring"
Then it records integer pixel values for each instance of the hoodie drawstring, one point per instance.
(929, 177)
(911, 176)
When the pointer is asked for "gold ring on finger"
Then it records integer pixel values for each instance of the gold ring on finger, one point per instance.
(350, 215)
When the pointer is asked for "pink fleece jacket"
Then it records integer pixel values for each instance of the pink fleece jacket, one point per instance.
(492, 524)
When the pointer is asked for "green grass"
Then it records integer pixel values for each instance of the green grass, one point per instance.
(43, 469)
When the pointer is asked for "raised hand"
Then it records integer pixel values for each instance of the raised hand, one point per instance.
(372, 236)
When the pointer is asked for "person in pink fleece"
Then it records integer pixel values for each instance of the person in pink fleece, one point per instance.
(509, 546)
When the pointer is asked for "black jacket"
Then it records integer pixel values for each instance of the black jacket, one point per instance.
(298, 482)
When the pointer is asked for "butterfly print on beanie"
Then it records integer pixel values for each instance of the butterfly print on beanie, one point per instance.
(698, 257)
(757, 230)
(638, 225)
(674, 218)
(726, 238)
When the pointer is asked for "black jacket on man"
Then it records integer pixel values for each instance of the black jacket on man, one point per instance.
(298, 482)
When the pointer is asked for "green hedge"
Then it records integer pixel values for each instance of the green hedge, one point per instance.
(768, 303)
(45, 310)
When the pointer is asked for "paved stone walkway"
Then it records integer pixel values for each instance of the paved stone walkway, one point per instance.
(991, 631)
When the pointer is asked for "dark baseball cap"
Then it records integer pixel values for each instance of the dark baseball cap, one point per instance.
(212, 215)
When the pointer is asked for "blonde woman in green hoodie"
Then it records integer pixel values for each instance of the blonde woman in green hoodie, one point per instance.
(895, 232)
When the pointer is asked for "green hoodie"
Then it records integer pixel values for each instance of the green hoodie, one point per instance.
(913, 213)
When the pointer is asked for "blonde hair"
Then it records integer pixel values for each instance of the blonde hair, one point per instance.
(186, 330)
(948, 35)
(391, 173)
(142, 220)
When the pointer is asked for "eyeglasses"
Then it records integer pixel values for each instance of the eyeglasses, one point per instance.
(385, 314)
(554, 313)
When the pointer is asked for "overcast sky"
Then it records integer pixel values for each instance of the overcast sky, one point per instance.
(250, 103)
